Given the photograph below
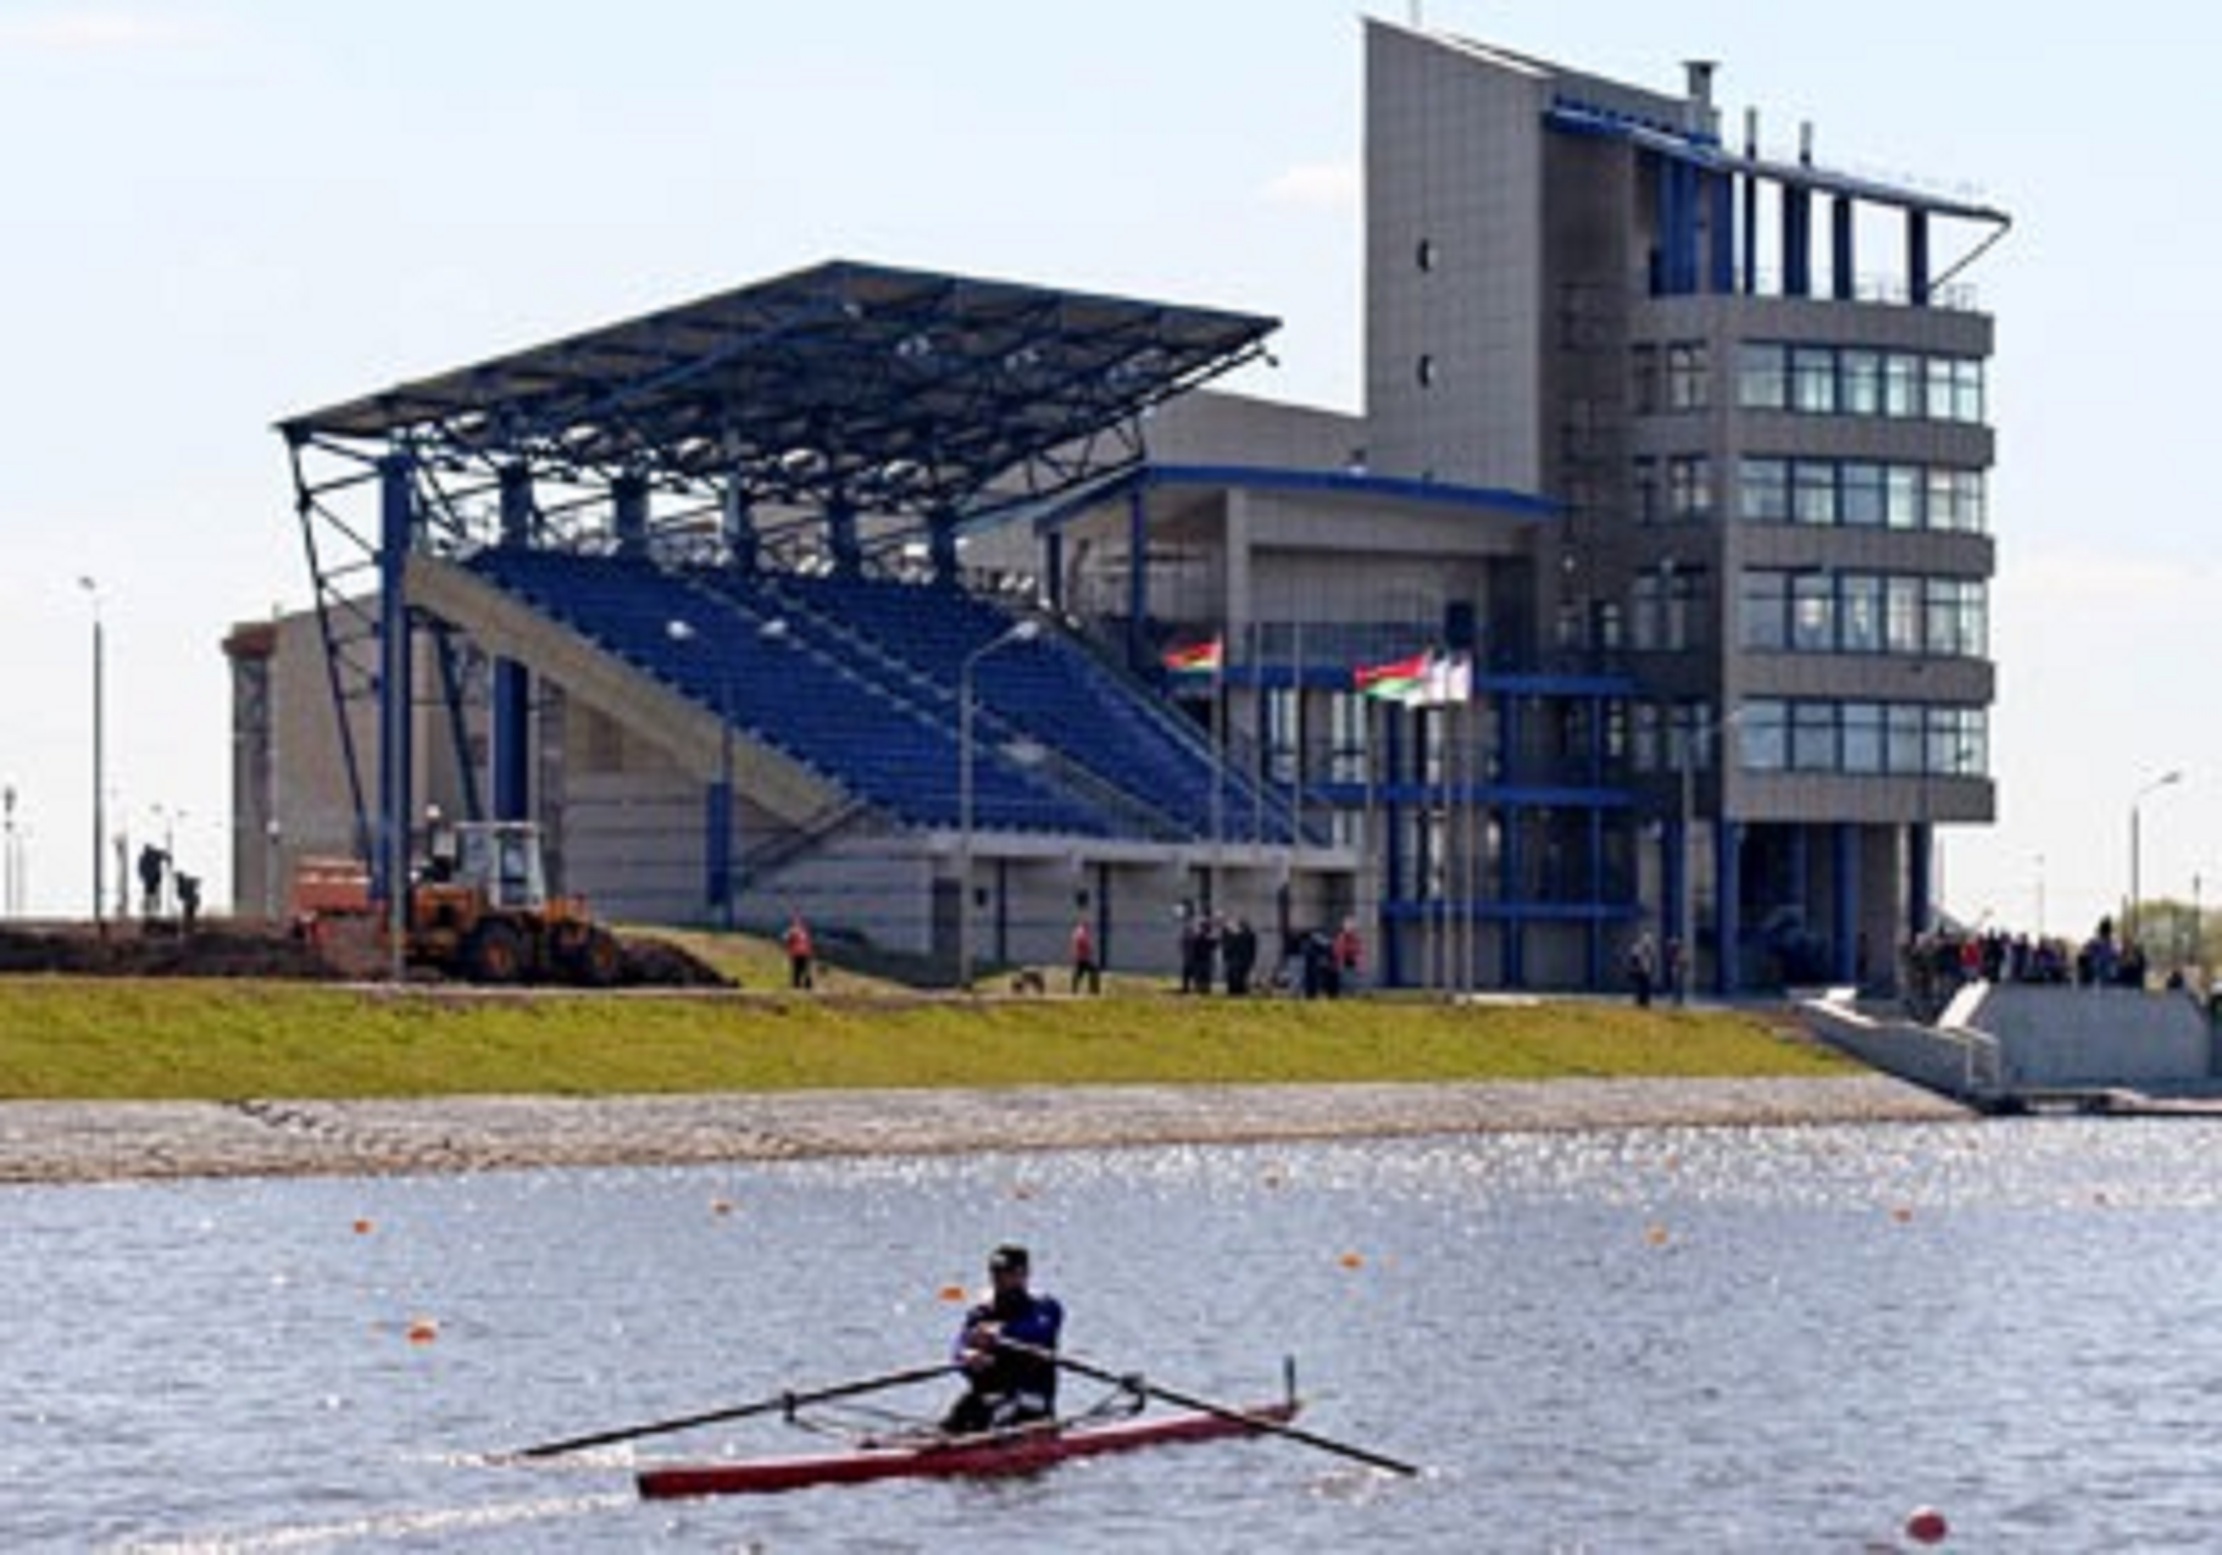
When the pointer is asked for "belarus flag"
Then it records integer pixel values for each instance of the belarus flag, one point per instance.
(1205, 658)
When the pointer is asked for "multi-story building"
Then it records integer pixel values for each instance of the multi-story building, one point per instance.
(1756, 389)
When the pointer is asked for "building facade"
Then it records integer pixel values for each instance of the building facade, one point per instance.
(1756, 390)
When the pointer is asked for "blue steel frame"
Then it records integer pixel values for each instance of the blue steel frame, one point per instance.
(932, 403)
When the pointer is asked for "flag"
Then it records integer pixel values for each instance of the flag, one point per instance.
(1450, 678)
(1424, 680)
(1204, 658)
(1400, 680)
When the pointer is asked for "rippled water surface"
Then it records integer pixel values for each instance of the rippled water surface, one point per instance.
(1664, 1340)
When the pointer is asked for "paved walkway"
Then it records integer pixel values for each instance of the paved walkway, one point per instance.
(103, 1141)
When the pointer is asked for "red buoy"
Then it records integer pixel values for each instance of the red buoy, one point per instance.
(1926, 1525)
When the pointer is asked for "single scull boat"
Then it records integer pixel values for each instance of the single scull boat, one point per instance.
(1020, 1451)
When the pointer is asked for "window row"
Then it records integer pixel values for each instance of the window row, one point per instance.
(1860, 494)
(1868, 739)
(1810, 611)
(1821, 380)
(1814, 380)
(1897, 739)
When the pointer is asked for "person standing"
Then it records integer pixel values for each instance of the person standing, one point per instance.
(1239, 954)
(1005, 1387)
(1349, 955)
(1643, 968)
(800, 953)
(1084, 965)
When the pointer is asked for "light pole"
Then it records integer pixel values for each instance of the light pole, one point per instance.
(1707, 730)
(100, 818)
(1023, 632)
(11, 886)
(2130, 911)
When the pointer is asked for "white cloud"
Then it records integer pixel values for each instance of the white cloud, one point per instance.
(75, 31)
(1333, 186)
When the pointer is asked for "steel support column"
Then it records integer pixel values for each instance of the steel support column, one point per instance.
(396, 758)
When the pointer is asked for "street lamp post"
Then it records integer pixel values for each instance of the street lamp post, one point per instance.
(1707, 730)
(2130, 910)
(100, 818)
(1023, 632)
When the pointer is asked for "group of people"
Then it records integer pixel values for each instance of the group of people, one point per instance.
(1940, 961)
(1220, 952)
(156, 866)
(1214, 947)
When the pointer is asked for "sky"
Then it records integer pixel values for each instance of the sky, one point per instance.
(215, 213)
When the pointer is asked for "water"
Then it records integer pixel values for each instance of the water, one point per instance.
(1664, 1340)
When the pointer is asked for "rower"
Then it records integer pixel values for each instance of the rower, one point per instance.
(1005, 1388)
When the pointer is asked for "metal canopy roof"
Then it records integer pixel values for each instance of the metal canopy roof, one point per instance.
(846, 384)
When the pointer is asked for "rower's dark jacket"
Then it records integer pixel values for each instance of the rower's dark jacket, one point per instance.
(1030, 1319)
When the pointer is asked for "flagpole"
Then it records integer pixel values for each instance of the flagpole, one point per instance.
(1218, 769)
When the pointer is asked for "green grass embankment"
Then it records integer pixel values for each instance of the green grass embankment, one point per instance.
(76, 1038)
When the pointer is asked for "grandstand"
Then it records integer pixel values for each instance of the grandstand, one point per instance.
(691, 591)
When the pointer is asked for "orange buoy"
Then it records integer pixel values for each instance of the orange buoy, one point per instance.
(955, 1293)
(1902, 1213)
(423, 1331)
(362, 1228)
(1926, 1525)
(1656, 1234)
(1352, 1260)
(721, 1206)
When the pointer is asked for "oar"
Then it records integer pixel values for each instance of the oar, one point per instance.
(762, 1406)
(1069, 1363)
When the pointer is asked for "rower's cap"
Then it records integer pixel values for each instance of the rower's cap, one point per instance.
(1009, 1256)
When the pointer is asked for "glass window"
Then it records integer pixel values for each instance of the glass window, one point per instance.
(1973, 517)
(1902, 614)
(1902, 496)
(1762, 376)
(1684, 596)
(1764, 614)
(1763, 736)
(1901, 384)
(1862, 382)
(1956, 500)
(1903, 726)
(1968, 392)
(1648, 510)
(1812, 612)
(1690, 486)
(1813, 499)
(1955, 389)
(1813, 380)
(1860, 612)
(1645, 365)
(1862, 495)
(1687, 386)
(1763, 491)
(1813, 737)
(1643, 612)
(1863, 737)
(1643, 742)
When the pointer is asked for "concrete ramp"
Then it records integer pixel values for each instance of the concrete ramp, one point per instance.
(2059, 1038)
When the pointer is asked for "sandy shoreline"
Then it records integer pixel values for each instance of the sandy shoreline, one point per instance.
(58, 1142)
